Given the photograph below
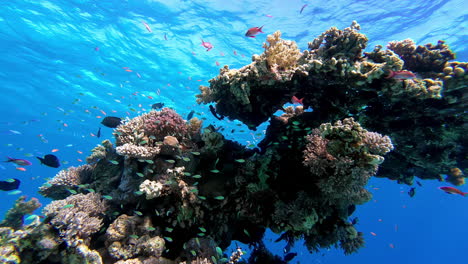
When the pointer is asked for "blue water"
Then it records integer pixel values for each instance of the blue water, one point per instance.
(62, 62)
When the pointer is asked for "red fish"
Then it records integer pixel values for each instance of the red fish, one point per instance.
(401, 75)
(451, 190)
(19, 162)
(207, 45)
(296, 100)
(253, 31)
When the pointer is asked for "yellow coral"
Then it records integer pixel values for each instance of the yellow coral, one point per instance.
(281, 54)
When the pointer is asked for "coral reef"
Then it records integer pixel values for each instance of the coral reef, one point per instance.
(174, 192)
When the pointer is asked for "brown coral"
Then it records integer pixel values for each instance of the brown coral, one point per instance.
(343, 156)
(427, 58)
(66, 181)
(77, 217)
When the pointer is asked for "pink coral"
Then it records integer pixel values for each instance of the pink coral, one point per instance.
(164, 123)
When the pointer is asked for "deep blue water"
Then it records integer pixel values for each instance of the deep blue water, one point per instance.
(63, 62)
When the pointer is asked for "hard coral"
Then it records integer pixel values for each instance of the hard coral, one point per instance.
(427, 58)
(150, 128)
(66, 181)
(77, 217)
(14, 218)
(139, 152)
(131, 236)
(342, 157)
(335, 43)
(281, 55)
(352, 244)
(100, 151)
(164, 123)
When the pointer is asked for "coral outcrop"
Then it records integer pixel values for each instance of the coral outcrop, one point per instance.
(171, 191)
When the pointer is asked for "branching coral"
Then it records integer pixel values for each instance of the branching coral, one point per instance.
(427, 58)
(281, 55)
(343, 157)
(335, 43)
(66, 182)
(77, 217)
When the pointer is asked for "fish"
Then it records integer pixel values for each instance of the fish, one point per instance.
(157, 106)
(50, 160)
(400, 75)
(253, 31)
(10, 185)
(207, 45)
(98, 134)
(302, 8)
(111, 121)
(296, 100)
(412, 192)
(190, 115)
(213, 111)
(147, 26)
(288, 257)
(19, 162)
(452, 190)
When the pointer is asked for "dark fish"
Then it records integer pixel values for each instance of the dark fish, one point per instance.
(98, 134)
(418, 183)
(157, 106)
(354, 221)
(190, 115)
(302, 8)
(288, 257)
(213, 111)
(412, 192)
(351, 209)
(50, 160)
(111, 121)
(9, 185)
(283, 236)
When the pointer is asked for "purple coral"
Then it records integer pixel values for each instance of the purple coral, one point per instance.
(164, 123)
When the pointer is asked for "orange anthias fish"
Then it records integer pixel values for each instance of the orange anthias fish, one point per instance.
(401, 75)
(451, 190)
(253, 31)
(207, 45)
(296, 100)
